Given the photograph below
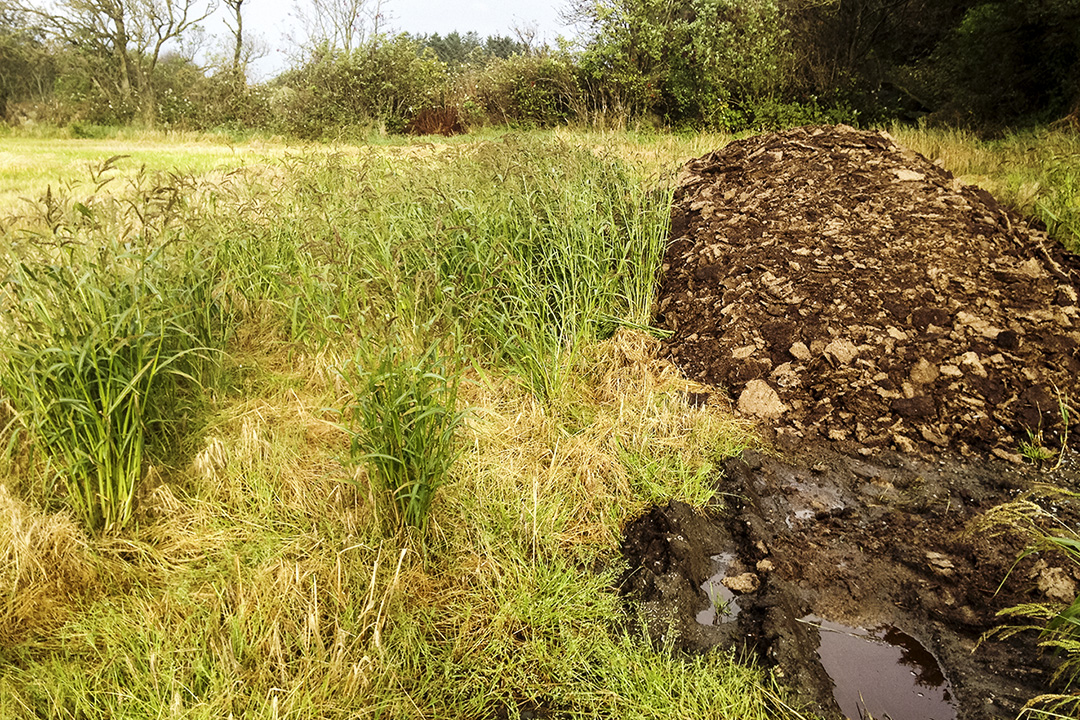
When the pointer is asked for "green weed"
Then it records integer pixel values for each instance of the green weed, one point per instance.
(404, 412)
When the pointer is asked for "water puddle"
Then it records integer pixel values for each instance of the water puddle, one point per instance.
(723, 604)
(882, 672)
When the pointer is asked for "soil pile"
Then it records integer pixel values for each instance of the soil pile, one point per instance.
(903, 333)
(847, 288)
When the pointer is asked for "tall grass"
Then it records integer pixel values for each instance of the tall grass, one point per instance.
(1034, 518)
(526, 249)
(92, 350)
(404, 412)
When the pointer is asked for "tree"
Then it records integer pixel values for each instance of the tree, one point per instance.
(341, 25)
(688, 60)
(237, 68)
(1007, 61)
(26, 67)
(124, 37)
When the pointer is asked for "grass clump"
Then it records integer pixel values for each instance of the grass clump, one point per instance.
(94, 350)
(1035, 517)
(404, 412)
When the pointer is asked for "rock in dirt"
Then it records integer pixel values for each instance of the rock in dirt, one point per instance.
(759, 400)
(849, 288)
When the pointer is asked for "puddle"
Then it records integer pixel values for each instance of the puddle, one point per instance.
(882, 672)
(723, 604)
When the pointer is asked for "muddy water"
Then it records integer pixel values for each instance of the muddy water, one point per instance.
(882, 672)
(723, 603)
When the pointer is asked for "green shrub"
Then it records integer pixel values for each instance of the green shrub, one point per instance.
(536, 90)
(384, 82)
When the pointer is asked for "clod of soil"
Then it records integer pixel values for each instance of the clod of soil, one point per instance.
(850, 289)
(898, 334)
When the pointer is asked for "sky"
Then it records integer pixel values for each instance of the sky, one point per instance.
(272, 21)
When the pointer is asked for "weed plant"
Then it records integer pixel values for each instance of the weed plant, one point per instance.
(404, 412)
(111, 324)
(92, 351)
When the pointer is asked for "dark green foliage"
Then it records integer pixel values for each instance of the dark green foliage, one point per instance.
(456, 49)
(983, 64)
(383, 82)
(1008, 61)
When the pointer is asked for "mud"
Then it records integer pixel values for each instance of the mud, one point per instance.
(897, 334)
(890, 541)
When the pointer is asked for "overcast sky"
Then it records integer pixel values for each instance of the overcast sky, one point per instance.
(272, 21)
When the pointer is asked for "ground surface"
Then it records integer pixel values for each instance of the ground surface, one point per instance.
(898, 334)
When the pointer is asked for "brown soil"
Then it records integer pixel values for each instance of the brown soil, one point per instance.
(852, 290)
(898, 334)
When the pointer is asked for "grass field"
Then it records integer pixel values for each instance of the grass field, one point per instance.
(248, 316)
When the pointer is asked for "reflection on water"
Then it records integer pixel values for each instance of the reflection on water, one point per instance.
(723, 605)
(883, 672)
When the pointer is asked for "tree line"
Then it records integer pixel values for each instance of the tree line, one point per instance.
(720, 64)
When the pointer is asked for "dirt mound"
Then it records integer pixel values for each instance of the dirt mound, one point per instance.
(903, 333)
(848, 288)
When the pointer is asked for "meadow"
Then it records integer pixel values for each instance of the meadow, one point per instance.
(317, 431)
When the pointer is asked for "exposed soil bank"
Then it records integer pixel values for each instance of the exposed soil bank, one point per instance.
(898, 334)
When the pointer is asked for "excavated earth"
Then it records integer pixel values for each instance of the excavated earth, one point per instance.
(898, 335)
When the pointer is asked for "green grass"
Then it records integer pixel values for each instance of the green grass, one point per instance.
(254, 575)
(1034, 519)
(250, 573)
(404, 413)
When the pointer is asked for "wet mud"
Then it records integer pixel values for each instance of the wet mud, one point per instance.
(816, 555)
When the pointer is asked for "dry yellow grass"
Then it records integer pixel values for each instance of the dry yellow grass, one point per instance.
(46, 566)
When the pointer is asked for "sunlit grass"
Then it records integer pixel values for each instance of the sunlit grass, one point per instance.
(256, 577)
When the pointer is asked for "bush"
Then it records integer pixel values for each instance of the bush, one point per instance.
(537, 90)
(384, 82)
